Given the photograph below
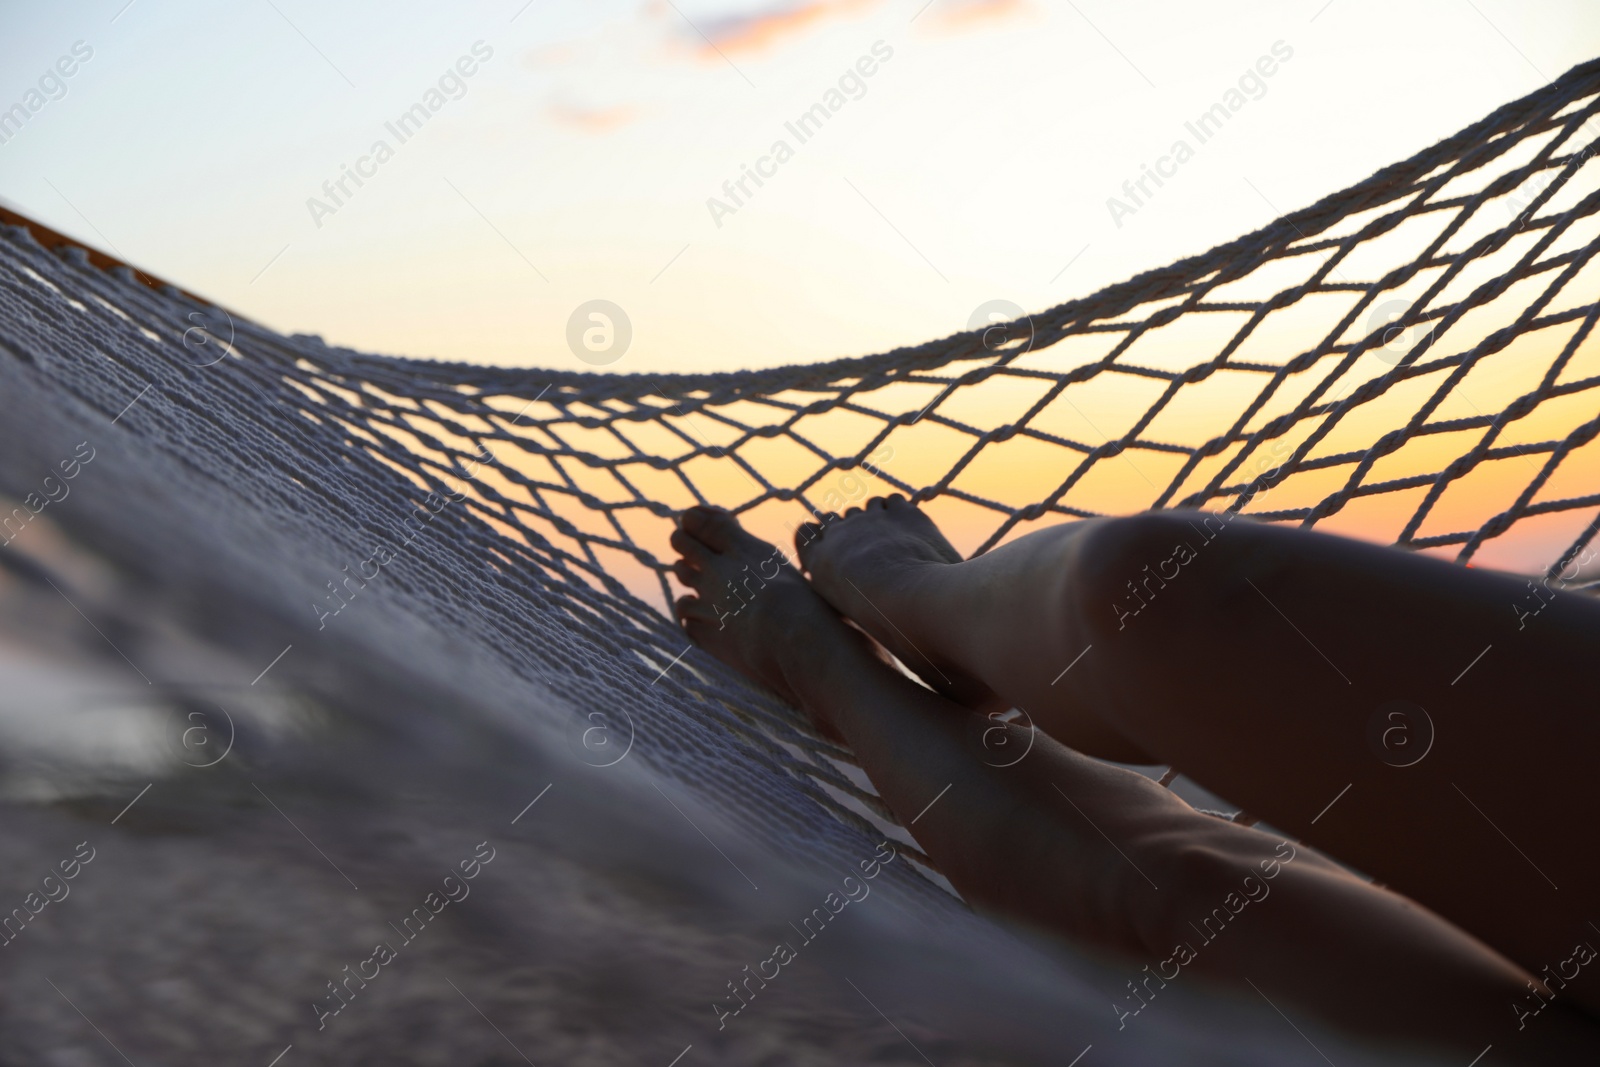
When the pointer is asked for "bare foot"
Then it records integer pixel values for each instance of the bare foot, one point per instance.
(867, 562)
(752, 610)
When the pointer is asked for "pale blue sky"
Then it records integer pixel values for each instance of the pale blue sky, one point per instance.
(976, 165)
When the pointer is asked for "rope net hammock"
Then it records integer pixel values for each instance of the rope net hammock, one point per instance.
(1411, 359)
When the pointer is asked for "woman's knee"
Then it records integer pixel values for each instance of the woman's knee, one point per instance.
(1167, 571)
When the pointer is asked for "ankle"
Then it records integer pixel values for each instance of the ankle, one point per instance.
(911, 585)
(818, 666)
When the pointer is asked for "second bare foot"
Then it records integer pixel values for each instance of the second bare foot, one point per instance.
(754, 611)
(876, 565)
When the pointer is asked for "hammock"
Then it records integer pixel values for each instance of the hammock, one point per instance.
(1411, 358)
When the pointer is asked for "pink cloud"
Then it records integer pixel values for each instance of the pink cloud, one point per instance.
(766, 29)
(591, 119)
(965, 14)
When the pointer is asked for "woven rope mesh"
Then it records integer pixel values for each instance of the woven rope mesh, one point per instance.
(1412, 359)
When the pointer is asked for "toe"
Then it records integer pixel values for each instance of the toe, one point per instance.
(701, 632)
(686, 572)
(713, 527)
(691, 548)
(692, 608)
(806, 538)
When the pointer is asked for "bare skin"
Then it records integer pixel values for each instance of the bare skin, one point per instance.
(1258, 666)
(1075, 845)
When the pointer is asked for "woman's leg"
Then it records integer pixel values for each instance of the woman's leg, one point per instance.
(1412, 717)
(1102, 854)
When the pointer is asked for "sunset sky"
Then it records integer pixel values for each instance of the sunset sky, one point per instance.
(576, 161)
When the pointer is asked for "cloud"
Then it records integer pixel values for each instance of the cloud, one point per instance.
(766, 29)
(591, 119)
(966, 14)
